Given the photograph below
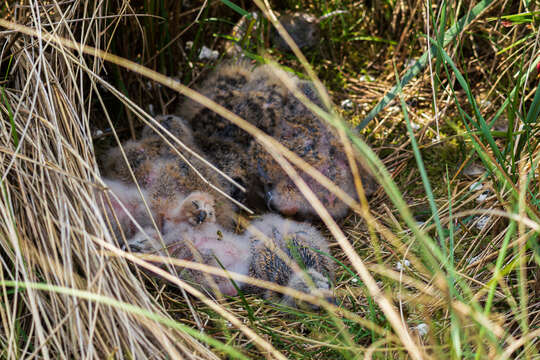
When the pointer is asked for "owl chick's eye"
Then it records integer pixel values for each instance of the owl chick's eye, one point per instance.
(196, 204)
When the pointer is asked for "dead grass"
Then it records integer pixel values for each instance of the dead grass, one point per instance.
(61, 106)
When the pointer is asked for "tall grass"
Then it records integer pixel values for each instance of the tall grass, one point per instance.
(68, 291)
(50, 189)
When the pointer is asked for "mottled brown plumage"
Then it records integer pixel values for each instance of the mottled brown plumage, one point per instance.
(178, 128)
(137, 154)
(263, 100)
(316, 144)
(222, 86)
(231, 158)
(259, 97)
(252, 94)
(167, 177)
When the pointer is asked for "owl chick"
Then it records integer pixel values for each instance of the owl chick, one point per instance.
(170, 180)
(138, 153)
(193, 214)
(301, 243)
(258, 253)
(316, 144)
(166, 177)
(141, 154)
(224, 154)
(261, 98)
(126, 208)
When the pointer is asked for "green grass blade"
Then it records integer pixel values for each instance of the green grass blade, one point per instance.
(236, 8)
(135, 310)
(249, 309)
(449, 36)
(480, 122)
(422, 169)
(14, 134)
(534, 110)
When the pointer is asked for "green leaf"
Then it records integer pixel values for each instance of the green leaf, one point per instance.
(236, 8)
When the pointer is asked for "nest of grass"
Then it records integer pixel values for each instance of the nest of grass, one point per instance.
(69, 290)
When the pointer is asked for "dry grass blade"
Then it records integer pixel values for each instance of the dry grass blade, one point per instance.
(443, 262)
(47, 191)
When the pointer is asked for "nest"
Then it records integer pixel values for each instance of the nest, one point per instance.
(69, 290)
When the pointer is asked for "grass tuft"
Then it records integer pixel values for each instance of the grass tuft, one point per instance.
(442, 263)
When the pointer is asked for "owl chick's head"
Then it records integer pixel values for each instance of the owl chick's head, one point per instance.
(286, 198)
(197, 208)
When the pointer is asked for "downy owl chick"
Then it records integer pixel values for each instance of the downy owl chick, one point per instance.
(164, 175)
(316, 144)
(262, 99)
(192, 216)
(266, 251)
(172, 180)
(137, 153)
(302, 244)
(126, 208)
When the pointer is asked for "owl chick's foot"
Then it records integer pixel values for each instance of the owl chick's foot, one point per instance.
(146, 241)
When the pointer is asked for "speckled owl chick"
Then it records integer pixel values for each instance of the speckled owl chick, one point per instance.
(301, 244)
(259, 96)
(166, 176)
(192, 217)
(266, 251)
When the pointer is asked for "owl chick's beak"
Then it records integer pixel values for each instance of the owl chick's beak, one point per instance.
(201, 216)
